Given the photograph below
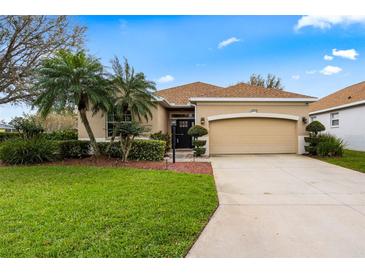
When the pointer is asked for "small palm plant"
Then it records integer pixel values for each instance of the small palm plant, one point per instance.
(133, 92)
(70, 80)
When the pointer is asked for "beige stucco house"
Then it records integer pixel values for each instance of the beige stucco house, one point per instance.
(240, 119)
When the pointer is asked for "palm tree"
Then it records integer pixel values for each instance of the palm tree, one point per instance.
(133, 94)
(70, 80)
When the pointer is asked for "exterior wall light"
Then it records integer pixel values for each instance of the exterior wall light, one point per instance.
(202, 120)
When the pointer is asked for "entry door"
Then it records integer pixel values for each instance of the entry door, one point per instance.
(183, 140)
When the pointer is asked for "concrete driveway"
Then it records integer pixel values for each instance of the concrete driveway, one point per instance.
(284, 206)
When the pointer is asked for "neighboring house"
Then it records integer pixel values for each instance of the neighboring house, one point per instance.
(343, 114)
(6, 128)
(240, 118)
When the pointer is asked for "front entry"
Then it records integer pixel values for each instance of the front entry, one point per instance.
(183, 140)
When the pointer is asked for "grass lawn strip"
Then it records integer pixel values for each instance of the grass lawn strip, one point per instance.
(351, 159)
(65, 211)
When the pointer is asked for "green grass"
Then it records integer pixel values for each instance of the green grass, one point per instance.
(351, 159)
(59, 211)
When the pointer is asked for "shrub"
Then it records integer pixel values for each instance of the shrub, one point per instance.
(313, 140)
(197, 131)
(330, 145)
(162, 137)
(142, 150)
(199, 151)
(199, 143)
(147, 150)
(28, 127)
(115, 151)
(60, 135)
(315, 127)
(8, 135)
(74, 148)
(18, 151)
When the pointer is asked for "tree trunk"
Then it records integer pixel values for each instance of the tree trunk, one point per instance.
(115, 130)
(129, 146)
(85, 121)
(126, 145)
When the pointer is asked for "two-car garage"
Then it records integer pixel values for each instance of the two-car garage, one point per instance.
(252, 134)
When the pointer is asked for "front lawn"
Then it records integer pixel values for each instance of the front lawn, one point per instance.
(64, 211)
(351, 159)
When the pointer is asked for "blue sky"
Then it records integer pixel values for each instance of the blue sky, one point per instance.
(223, 50)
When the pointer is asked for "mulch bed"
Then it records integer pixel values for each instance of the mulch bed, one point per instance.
(186, 167)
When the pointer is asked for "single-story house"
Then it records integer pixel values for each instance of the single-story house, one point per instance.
(343, 115)
(240, 119)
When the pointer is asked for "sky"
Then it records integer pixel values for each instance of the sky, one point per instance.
(313, 55)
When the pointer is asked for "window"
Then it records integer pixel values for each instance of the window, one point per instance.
(313, 118)
(112, 121)
(183, 124)
(335, 121)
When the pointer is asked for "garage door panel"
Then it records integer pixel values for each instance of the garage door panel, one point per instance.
(252, 135)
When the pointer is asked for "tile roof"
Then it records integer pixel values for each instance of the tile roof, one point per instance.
(248, 91)
(344, 96)
(180, 95)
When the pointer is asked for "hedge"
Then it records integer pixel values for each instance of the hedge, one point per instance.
(74, 148)
(142, 150)
(20, 152)
(60, 135)
(38, 150)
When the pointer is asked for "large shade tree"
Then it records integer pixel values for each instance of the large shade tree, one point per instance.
(24, 42)
(70, 80)
(134, 99)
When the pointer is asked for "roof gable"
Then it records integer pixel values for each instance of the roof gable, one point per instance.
(344, 96)
(180, 95)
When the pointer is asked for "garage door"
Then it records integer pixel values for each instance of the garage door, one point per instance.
(252, 135)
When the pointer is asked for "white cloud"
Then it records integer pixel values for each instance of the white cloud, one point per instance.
(165, 79)
(295, 77)
(313, 71)
(326, 22)
(329, 70)
(346, 53)
(228, 42)
(328, 57)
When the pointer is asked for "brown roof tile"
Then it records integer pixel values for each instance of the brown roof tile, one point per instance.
(248, 91)
(180, 95)
(344, 96)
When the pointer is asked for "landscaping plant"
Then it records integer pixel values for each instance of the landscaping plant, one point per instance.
(330, 146)
(32, 151)
(63, 134)
(313, 128)
(74, 148)
(8, 135)
(162, 137)
(141, 150)
(196, 132)
(133, 97)
(28, 128)
(68, 80)
(128, 131)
